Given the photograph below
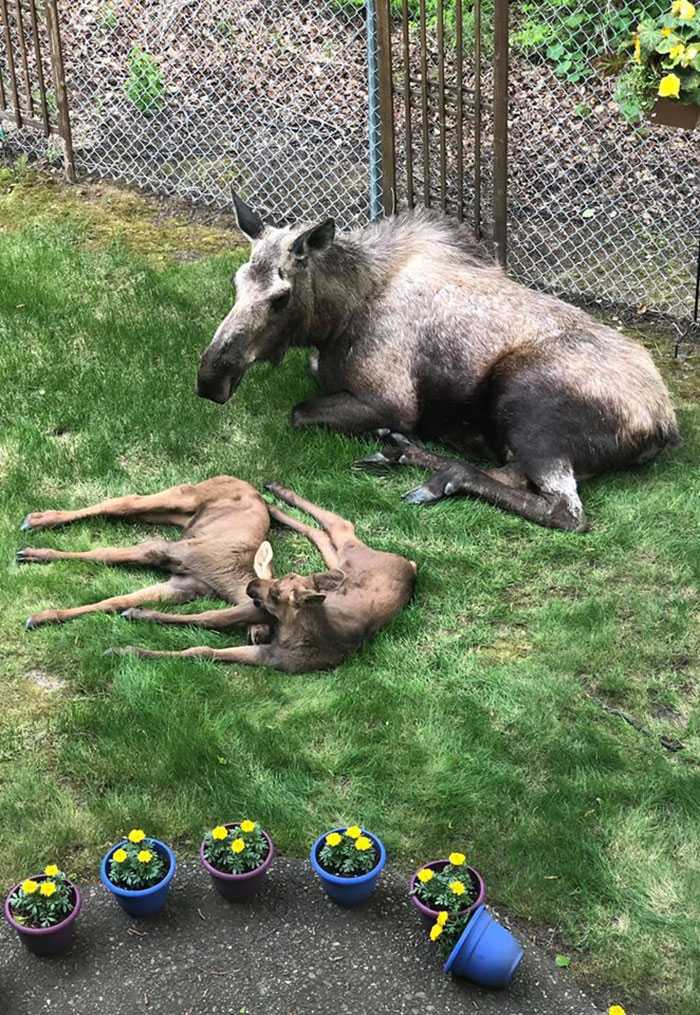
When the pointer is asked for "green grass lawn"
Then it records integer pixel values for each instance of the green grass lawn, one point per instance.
(476, 721)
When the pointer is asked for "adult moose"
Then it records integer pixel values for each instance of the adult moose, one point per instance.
(418, 332)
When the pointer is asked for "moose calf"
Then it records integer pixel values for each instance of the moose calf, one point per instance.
(224, 521)
(317, 620)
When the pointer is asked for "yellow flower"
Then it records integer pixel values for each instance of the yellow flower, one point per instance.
(457, 859)
(457, 887)
(144, 856)
(666, 32)
(238, 845)
(616, 1009)
(669, 86)
(52, 870)
(435, 931)
(47, 888)
(689, 55)
(363, 843)
(677, 51)
(441, 918)
(247, 826)
(333, 839)
(637, 49)
(425, 875)
(683, 9)
(353, 831)
(119, 855)
(29, 886)
(136, 835)
(220, 832)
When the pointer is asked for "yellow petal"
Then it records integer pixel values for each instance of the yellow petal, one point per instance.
(435, 931)
(670, 86)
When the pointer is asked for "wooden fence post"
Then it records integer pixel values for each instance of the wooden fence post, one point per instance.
(59, 83)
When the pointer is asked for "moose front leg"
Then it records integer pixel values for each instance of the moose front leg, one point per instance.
(211, 620)
(165, 592)
(246, 655)
(343, 412)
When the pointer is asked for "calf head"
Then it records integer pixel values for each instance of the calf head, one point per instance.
(284, 598)
(274, 295)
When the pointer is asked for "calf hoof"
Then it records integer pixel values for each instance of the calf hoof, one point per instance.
(26, 525)
(259, 634)
(31, 556)
(125, 650)
(30, 624)
(133, 613)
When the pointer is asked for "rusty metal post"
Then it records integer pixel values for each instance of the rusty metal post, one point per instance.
(386, 107)
(59, 82)
(500, 131)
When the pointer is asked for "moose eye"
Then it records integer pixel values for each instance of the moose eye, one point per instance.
(279, 302)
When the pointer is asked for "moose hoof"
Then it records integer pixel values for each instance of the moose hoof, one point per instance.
(131, 614)
(421, 495)
(30, 556)
(26, 525)
(30, 624)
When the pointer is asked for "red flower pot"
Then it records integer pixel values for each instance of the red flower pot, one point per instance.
(238, 887)
(430, 915)
(45, 940)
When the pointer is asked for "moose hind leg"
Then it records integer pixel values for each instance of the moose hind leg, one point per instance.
(173, 591)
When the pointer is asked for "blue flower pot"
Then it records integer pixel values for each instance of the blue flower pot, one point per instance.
(348, 891)
(486, 953)
(144, 901)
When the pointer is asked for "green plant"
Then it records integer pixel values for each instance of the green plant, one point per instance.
(450, 888)
(136, 864)
(43, 902)
(236, 848)
(145, 85)
(108, 17)
(349, 853)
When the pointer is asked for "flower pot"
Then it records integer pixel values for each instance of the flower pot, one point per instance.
(430, 915)
(486, 953)
(142, 901)
(46, 940)
(348, 891)
(238, 887)
(673, 113)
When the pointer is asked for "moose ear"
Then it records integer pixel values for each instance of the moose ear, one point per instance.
(306, 597)
(248, 221)
(314, 240)
(328, 581)
(262, 562)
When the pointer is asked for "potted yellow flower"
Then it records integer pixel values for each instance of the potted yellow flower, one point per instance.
(138, 871)
(237, 856)
(447, 885)
(42, 910)
(348, 862)
(662, 77)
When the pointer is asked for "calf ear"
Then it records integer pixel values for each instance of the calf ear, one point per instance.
(262, 562)
(306, 597)
(247, 220)
(314, 240)
(329, 581)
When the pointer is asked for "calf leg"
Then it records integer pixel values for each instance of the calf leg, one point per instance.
(154, 553)
(211, 620)
(343, 412)
(172, 506)
(320, 539)
(338, 528)
(173, 591)
(247, 655)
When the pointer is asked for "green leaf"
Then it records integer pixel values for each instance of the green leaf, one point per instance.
(562, 961)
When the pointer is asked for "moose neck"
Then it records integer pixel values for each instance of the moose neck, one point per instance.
(343, 282)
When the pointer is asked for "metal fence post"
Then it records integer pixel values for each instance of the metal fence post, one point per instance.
(59, 82)
(374, 134)
(500, 131)
(386, 107)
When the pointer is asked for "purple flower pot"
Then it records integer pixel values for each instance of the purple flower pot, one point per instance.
(141, 901)
(46, 940)
(238, 887)
(348, 891)
(430, 915)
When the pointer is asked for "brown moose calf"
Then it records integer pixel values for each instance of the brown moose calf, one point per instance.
(224, 523)
(317, 620)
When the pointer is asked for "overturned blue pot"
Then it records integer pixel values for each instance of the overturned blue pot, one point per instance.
(349, 891)
(142, 901)
(486, 953)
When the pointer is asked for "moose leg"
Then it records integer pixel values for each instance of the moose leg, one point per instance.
(338, 528)
(174, 506)
(153, 553)
(212, 620)
(321, 540)
(173, 591)
(247, 655)
(343, 412)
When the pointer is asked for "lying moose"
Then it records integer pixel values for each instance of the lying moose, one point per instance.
(418, 333)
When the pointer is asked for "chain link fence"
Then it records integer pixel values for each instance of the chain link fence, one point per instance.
(190, 97)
